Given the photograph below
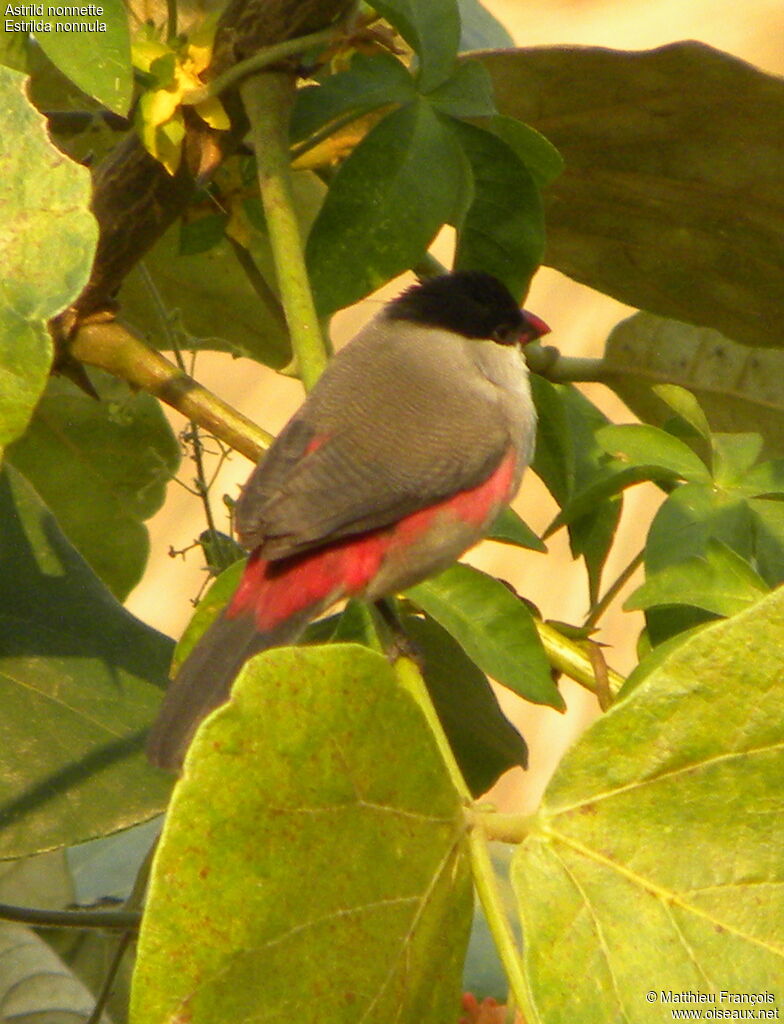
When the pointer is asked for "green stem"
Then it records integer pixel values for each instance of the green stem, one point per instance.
(571, 659)
(134, 902)
(261, 59)
(111, 347)
(410, 678)
(548, 362)
(105, 992)
(497, 921)
(612, 591)
(110, 920)
(171, 20)
(267, 100)
(485, 882)
(502, 828)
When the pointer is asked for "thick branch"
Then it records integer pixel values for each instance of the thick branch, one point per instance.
(113, 348)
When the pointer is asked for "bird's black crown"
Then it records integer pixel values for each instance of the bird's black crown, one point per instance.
(469, 302)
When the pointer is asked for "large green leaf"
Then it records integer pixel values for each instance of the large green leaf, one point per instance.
(493, 626)
(656, 861)
(99, 60)
(432, 29)
(385, 205)
(502, 232)
(102, 468)
(80, 682)
(736, 385)
(481, 30)
(312, 865)
(673, 194)
(47, 242)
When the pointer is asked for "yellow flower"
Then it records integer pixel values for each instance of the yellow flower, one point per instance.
(176, 69)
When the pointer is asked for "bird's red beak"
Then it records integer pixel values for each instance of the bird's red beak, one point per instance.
(533, 327)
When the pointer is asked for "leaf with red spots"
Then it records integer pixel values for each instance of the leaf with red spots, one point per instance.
(656, 861)
(296, 869)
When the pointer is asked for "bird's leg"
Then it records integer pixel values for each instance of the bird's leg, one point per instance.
(394, 638)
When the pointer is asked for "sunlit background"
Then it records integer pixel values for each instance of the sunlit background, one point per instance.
(580, 321)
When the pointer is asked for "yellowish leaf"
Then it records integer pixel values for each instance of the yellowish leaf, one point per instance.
(211, 111)
(145, 51)
(160, 105)
(168, 139)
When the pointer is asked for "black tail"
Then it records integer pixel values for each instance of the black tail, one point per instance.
(204, 680)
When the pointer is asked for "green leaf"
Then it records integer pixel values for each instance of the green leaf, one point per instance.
(207, 610)
(734, 384)
(80, 682)
(612, 481)
(368, 83)
(502, 232)
(98, 61)
(432, 29)
(638, 445)
(538, 154)
(656, 860)
(14, 48)
(467, 93)
(481, 30)
(483, 740)
(354, 625)
(768, 527)
(734, 457)
(690, 517)
(685, 405)
(220, 550)
(555, 455)
(673, 155)
(35, 984)
(46, 250)
(200, 234)
(720, 582)
(494, 628)
(385, 205)
(319, 880)
(198, 289)
(509, 528)
(766, 478)
(102, 468)
(572, 467)
(652, 657)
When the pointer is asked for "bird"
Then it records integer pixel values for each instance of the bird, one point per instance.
(398, 461)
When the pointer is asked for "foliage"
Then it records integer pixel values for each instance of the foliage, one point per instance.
(317, 858)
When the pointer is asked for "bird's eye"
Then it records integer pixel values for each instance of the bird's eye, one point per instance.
(504, 335)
